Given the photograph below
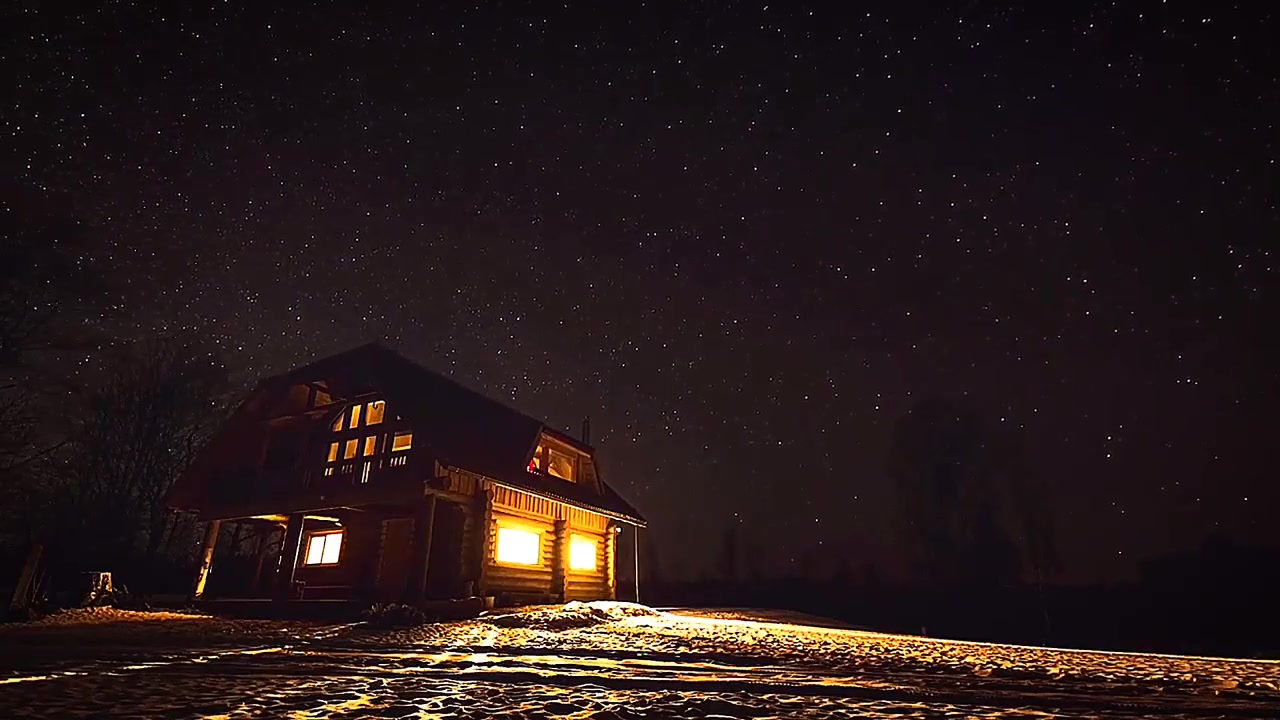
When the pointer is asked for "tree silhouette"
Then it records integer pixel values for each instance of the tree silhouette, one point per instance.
(965, 495)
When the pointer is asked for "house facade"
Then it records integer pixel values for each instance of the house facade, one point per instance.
(364, 476)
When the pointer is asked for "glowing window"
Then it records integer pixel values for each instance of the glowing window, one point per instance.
(374, 411)
(517, 546)
(401, 441)
(536, 463)
(333, 452)
(349, 451)
(559, 464)
(582, 553)
(370, 445)
(324, 548)
(337, 424)
(355, 417)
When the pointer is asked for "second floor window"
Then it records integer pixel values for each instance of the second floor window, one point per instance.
(361, 442)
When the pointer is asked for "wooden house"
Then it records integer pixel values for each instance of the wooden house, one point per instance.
(368, 477)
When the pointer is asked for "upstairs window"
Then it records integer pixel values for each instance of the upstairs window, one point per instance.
(324, 548)
(560, 464)
(361, 445)
(374, 412)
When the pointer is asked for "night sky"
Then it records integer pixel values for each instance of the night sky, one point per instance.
(744, 238)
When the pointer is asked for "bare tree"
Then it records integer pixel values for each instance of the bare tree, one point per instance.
(144, 417)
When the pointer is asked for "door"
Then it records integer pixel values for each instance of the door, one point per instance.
(393, 561)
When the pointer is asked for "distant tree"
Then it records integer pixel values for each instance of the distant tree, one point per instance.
(142, 419)
(44, 295)
(966, 497)
(728, 560)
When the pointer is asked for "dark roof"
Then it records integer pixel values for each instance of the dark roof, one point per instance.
(463, 428)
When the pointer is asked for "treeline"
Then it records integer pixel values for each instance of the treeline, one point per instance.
(1218, 599)
(94, 426)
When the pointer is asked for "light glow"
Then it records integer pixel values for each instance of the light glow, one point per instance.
(374, 412)
(520, 547)
(324, 549)
(401, 441)
(582, 553)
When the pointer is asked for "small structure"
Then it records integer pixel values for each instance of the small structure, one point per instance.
(368, 477)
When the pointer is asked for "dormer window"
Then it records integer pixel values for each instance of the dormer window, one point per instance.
(554, 459)
(560, 464)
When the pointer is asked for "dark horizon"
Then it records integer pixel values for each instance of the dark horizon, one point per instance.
(746, 240)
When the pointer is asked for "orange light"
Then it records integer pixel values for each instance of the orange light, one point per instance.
(520, 547)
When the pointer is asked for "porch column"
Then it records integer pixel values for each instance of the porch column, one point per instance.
(560, 560)
(206, 558)
(483, 531)
(611, 558)
(423, 525)
(289, 547)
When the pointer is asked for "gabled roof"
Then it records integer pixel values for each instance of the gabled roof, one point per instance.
(462, 427)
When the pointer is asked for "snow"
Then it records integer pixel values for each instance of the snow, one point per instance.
(595, 660)
(98, 615)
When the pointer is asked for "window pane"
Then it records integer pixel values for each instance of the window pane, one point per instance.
(332, 548)
(560, 465)
(402, 441)
(518, 546)
(536, 462)
(333, 452)
(355, 417)
(315, 549)
(337, 424)
(374, 412)
(582, 553)
(350, 450)
(370, 445)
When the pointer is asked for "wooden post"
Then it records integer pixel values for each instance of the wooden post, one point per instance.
(206, 558)
(560, 560)
(423, 525)
(611, 558)
(483, 519)
(23, 592)
(288, 568)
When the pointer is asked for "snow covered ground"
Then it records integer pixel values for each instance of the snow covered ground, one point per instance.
(596, 660)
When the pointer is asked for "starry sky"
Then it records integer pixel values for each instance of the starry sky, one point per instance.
(745, 238)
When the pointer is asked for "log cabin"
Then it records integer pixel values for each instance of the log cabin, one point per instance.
(367, 477)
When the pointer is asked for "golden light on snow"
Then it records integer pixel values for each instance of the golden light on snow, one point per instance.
(517, 546)
(582, 553)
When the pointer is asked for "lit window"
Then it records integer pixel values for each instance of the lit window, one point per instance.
(355, 417)
(518, 546)
(401, 441)
(559, 464)
(349, 451)
(582, 553)
(536, 463)
(337, 424)
(333, 452)
(370, 445)
(324, 549)
(374, 412)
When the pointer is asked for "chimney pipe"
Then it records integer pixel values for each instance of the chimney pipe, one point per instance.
(586, 430)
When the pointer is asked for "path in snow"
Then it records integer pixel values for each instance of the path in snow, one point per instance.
(595, 662)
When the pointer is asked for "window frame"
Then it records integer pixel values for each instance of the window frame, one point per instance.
(322, 535)
(518, 527)
(580, 538)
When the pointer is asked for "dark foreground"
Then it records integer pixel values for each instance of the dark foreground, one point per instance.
(611, 661)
